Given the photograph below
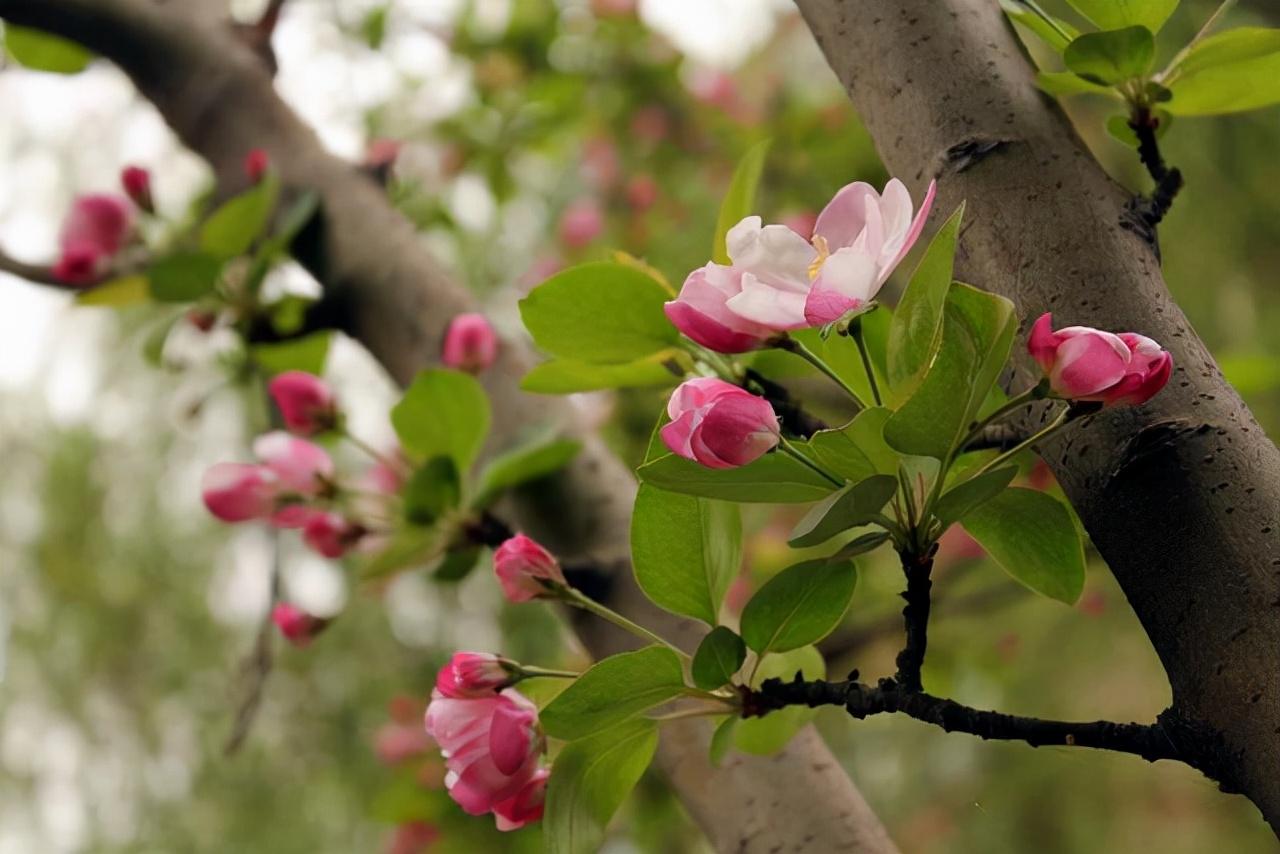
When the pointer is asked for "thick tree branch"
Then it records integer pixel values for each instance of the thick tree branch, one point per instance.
(1181, 496)
(915, 615)
(389, 292)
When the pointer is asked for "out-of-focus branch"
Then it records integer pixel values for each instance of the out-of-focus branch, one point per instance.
(38, 274)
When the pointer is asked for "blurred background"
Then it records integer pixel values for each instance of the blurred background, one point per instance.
(533, 134)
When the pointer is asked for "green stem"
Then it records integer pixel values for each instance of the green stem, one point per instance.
(1170, 72)
(394, 465)
(702, 712)
(580, 600)
(1046, 17)
(530, 672)
(1022, 446)
(814, 359)
(855, 330)
(784, 445)
(1036, 392)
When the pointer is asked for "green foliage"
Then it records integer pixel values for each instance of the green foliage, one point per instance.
(685, 551)
(522, 464)
(861, 544)
(722, 740)
(183, 276)
(916, 330)
(612, 691)
(408, 546)
(858, 449)
(740, 200)
(565, 376)
(1056, 34)
(1111, 57)
(854, 505)
(307, 353)
(972, 493)
(602, 312)
(772, 479)
(1228, 72)
(443, 412)
(433, 489)
(117, 293)
(589, 781)
(1034, 538)
(1059, 83)
(1117, 14)
(41, 51)
(798, 606)
(1118, 128)
(718, 658)
(769, 734)
(238, 222)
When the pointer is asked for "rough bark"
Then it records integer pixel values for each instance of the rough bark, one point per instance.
(1181, 495)
(384, 288)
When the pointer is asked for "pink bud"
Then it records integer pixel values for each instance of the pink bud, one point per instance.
(473, 674)
(96, 228)
(330, 534)
(642, 192)
(78, 265)
(718, 424)
(303, 468)
(306, 402)
(137, 186)
(470, 344)
(525, 569)
(256, 163)
(581, 223)
(1086, 364)
(297, 626)
(237, 492)
(526, 806)
(202, 319)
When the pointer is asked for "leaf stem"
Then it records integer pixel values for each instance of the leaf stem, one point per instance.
(530, 672)
(580, 600)
(1170, 73)
(378, 456)
(1036, 392)
(855, 331)
(1052, 427)
(784, 445)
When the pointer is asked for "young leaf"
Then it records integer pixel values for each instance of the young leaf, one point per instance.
(1112, 56)
(861, 545)
(850, 507)
(740, 200)
(1114, 14)
(117, 293)
(613, 690)
(523, 464)
(719, 656)
(916, 329)
(432, 489)
(589, 781)
(960, 499)
(1230, 72)
(1033, 537)
(232, 228)
(722, 740)
(183, 276)
(769, 734)
(685, 551)
(1059, 83)
(566, 376)
(772, 479)
(41, 51)
(1023, 14)
(798, 606)
(858, 449)
(410, 545)
(456, 565)
(601, 313)
(307, 353)
(443, 412)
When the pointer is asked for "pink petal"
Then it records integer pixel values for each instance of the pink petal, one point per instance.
(848, 280)
(510, 738)
(774, 254)
(1086, 365)
(776, 308)
(844, 217)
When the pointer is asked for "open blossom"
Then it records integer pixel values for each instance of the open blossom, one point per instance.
(524, 569)
(306, 402)
(718, 424)
(470, 344)
(297, 626)
(525, 806)
(95, 230)
(473, 674)
(490, 745)
(777, 280)
(1088, 364)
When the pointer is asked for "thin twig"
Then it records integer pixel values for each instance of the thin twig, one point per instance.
(258, 664)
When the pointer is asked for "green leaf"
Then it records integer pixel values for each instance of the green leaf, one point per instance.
(1115, 14)
(589, 781)
(183, 276)
(861, 545)
(41, 51)
(970, 494)
(117, 293)
(740, 199)
(409, 546)
(916, 329)
(456, 565)
(858, 449)
(600, 312)
(1112, 56)
(718, 658)
(1033, 537)
(772, 479)
(522, 464)
(307, 353)
(685, 551)
(1023, 14)
(565, 376)
(856, 504)
(432, 489)
(722, 740)
(1230, 72)
(798, 606)
(238, 222)
(769, 734)
(443, 412)
(613, 690)
(977, 335)
(1059, 83)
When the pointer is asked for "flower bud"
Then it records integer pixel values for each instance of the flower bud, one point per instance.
(470, 344)
(1086, 364)
(525, 569)
(330, 534)
(95, 230)
(237, 492)
(137, 186)
(474, 674)
(306, 402)
(718, 424)
(256, 163)
(303, 468)
(297, 626)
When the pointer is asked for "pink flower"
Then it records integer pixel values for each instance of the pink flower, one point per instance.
(136, 182)
(581, 223)
(704, 311)
(470, 343)
(96, 228)
(801, 222)
(306, 402)
(719, 425)
(1088, 364)
(256, 163)
(237, 492)
(297, 626)
(303, 468)
(329, 534)
(473, 674)
(525, 569)
(78, 265)
(525, 806)
(413, 837)
(490, 746)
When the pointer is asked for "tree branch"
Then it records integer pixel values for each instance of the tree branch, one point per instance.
(915, 615)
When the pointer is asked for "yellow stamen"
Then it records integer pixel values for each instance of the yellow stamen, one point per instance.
(824, 252)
